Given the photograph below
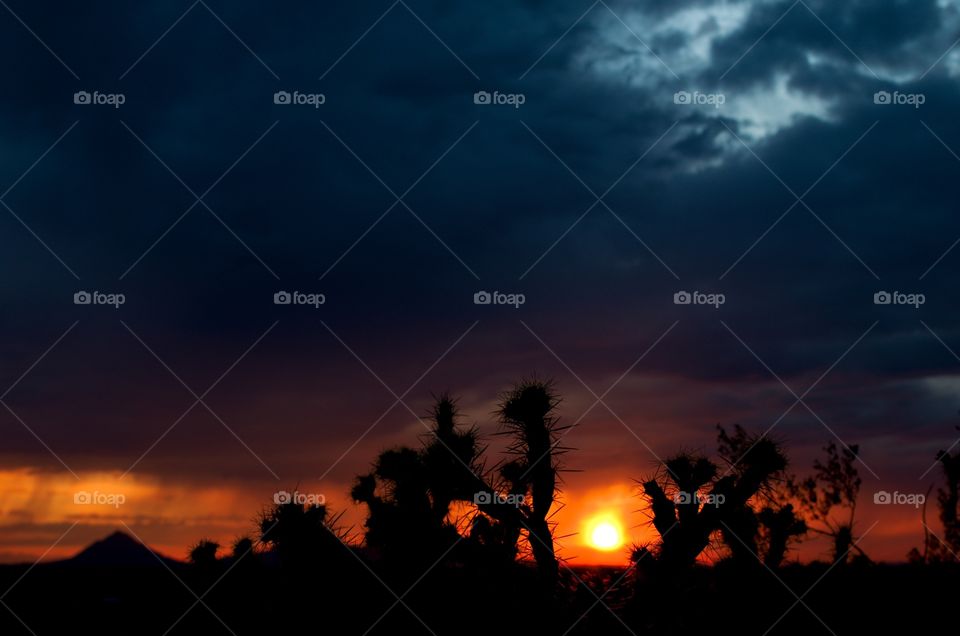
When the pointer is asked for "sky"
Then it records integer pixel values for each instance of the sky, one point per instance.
(778, 163)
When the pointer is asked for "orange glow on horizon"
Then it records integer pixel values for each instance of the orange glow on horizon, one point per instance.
(594, 524)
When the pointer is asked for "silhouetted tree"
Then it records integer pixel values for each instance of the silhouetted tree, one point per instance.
(759, 520)
(687, 520)
(528, 415)
(450, 460)
(409, 492)
(831, 492)
(681, 520)
(301, 535)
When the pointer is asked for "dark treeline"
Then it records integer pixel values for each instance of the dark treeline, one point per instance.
(457, 542)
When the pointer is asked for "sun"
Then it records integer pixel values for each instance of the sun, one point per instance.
(604, 533)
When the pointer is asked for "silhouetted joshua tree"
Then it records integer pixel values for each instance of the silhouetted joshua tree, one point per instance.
(687, 520)
(409, 492)
(683, 527)
(830, 492)
(301, 535)
(764, 523)
(451, 460)
(528, 415)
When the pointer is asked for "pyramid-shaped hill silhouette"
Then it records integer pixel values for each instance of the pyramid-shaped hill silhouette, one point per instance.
(119, 550)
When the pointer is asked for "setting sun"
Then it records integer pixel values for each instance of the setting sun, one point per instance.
(604, 533)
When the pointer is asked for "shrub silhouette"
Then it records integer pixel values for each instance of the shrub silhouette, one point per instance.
(301, 535)
(204, 553)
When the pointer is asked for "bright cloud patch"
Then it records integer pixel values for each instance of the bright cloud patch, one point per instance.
(641, 49)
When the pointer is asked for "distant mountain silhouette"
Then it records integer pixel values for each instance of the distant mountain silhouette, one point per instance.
(119, 549)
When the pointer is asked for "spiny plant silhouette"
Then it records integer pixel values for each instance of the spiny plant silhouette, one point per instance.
(759, 522)
(450, 460)
(203, 553)
(831, 492)
(687, 520)
(683, 527)
(528, 414)
(315, 562)
(301, 535)
(410, 493)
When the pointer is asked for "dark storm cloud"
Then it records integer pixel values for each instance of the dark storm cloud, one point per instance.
(498, 200)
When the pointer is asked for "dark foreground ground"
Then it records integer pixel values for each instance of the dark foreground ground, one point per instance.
(254, 596)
